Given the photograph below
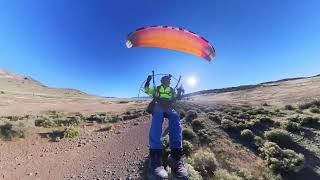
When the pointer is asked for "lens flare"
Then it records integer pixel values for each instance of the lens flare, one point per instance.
(192, 81)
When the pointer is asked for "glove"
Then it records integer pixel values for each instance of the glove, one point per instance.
(147, 84)
(149, 78)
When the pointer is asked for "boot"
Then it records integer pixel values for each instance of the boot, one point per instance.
(178, 169)
(156, 169)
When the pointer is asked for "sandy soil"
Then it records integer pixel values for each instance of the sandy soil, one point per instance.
(114, 154)
(277, 94)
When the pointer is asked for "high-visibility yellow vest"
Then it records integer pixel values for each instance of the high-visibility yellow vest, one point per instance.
(161, 92)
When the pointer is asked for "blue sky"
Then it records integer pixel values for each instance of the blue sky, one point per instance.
(81, 43)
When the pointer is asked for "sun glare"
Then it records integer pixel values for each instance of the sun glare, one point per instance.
(192, 81)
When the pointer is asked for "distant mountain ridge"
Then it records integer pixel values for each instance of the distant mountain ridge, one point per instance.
(17, 83)
(245, 87)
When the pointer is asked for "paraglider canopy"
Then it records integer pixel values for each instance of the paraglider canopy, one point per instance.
(171, 38)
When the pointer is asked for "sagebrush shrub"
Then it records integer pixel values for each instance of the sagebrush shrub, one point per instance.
(214, 117)
(223, 174)
(70, 132)
(291, 126)
(191, 115)
(309, 121)
(115, 119)
(182, 114)
(307, 105)
(258, 141)
(289, 107)
(187, 147)
(205, 162)
(73, 120)
(228, 124)
(315, 110)
(198, 124)
(281, 161)
(279, 136)
(193, 174)
(49, 123)
(188, 134)
(247, 135)
(203, 136)
(9, 131)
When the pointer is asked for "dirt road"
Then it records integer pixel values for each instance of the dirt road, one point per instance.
(114, 154)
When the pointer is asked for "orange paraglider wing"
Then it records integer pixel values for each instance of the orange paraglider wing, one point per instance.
(171, 38)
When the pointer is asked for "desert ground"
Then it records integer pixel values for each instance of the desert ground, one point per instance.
(239, 134)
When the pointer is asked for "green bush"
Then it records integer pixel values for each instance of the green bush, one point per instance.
(187, 147)
(131, 115)
(258, 111)
(247, 135)
(97, 118)
(296, 119)
(14, 118)
(73, 120)
(242, 125)
(277, 110)
(291, 126)
(246, 174)
(9, 131)
(258, 141)
(182, 114)
(309, 121)
(115, 119)
(244, 116)
(191, 115)
(265, 120)
(48, 123)
(307, 105)
(193, 174)
(214, 118)
(281, 161)
(232, 111)
(289, 107)
(53, 114)
(299, 111)
(60, 122)
(228, 124)
(204, 161)
(315, 110)
(223, 174)
(279, 136)
(227, 116)
(203, 136)
(197, 124)
(70, 133)
(188, 134)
